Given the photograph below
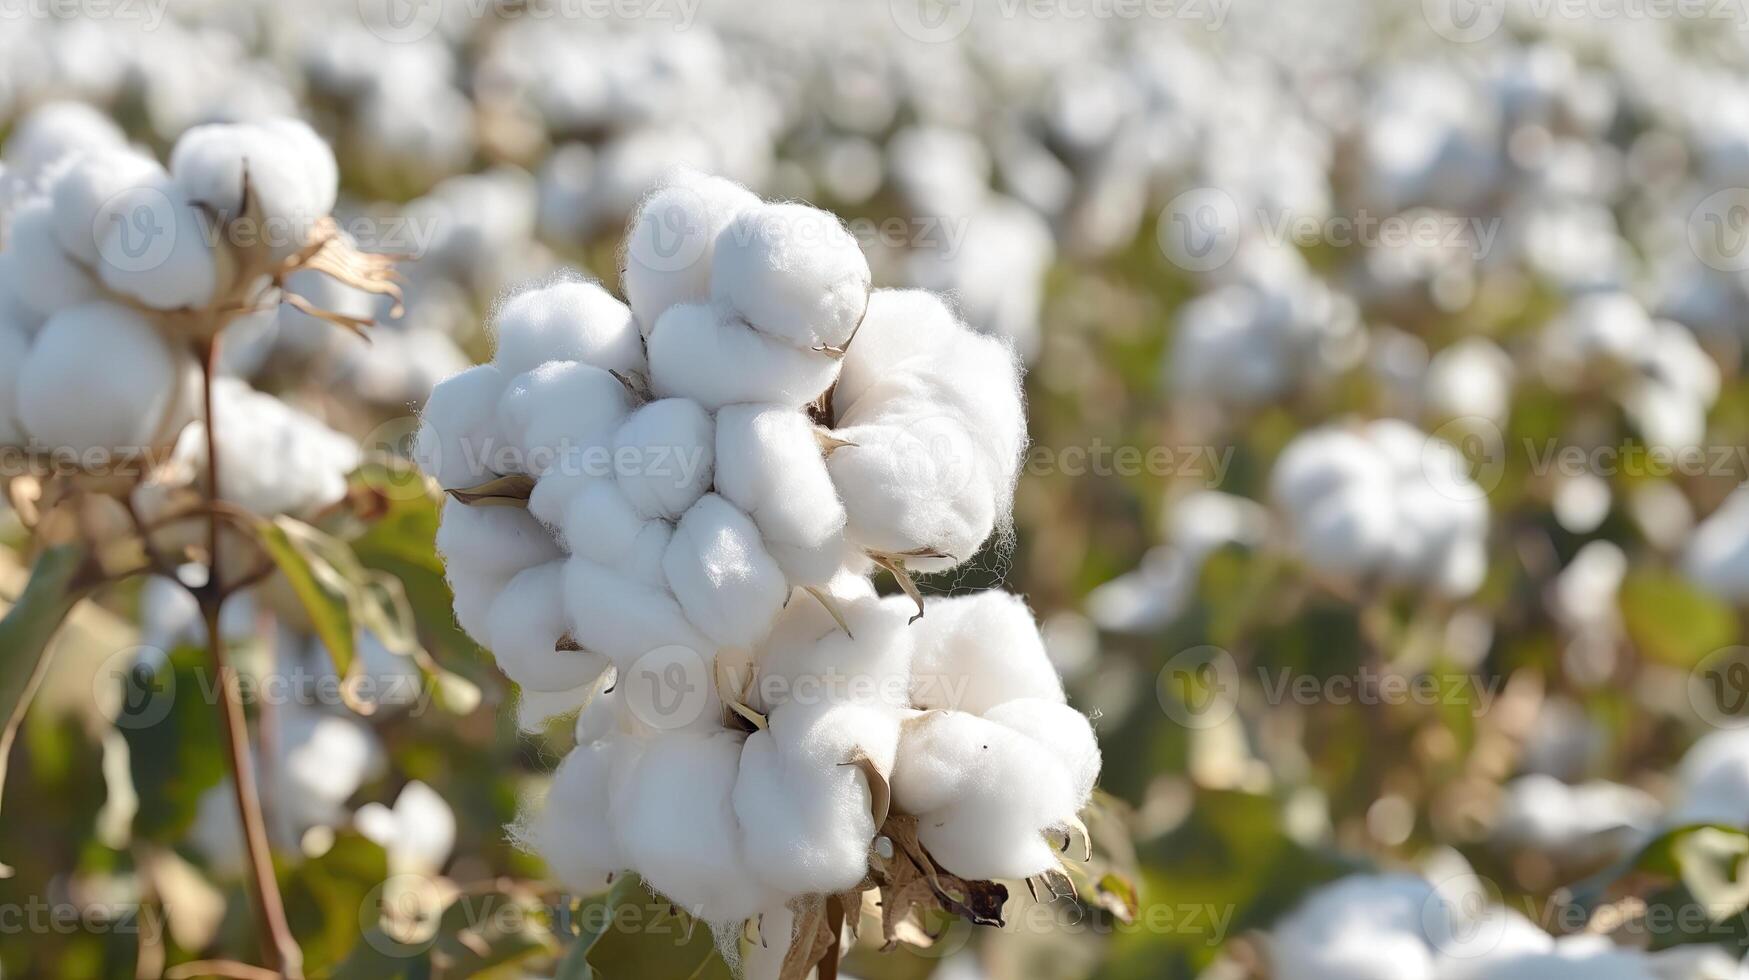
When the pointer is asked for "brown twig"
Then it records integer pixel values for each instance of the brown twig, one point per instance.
(279, 947)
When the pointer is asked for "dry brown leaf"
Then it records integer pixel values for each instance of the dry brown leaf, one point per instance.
(505, 491)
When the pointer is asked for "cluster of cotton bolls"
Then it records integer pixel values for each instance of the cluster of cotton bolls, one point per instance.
(1405, 927)
(106, 250)
(769, 431)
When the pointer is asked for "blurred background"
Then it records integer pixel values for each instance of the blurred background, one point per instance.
(1475, 644)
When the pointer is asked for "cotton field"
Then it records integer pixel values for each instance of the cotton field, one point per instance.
(885, 489)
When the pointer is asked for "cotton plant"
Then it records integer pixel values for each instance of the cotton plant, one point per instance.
(119, 278)
(1157, 591)
(773, 431)
(1383, 503)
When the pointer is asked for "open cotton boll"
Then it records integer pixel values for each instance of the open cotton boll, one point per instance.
(1717, 555)
(983, 793)
(1063, 732)
(769, 464)
(805, 830)
(663, 456)
(87, 194)
(978, 651)
(55, 130)
(523, 629)
(294, 464)
(793, 272)
(625, 619)
(559, 413)
(493, 540)
(729, 585)
(1318, 462)
(602, 525)
(1363, 927)
(110, 405)
(291, 183)
(567, 321)
(572, 829)
(474, 593)
(1593, 821)
(917, 482)
(160, 250)
(703, 353)
(1712, 783)
(901, 324)
(676, 823)
(1470, 377)
(671, 242)
(40, 272)
(820, 665)
(458, 427)
(325, 758)
(418, 831)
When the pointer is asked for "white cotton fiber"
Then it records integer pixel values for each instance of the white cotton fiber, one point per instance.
(984, 795)
(159, 249)
(567, 321)
(55, 130)
(418, 831)
(702, 353)
(901, 324)
(279, 460)
(571, 829)
(794, 273)
(42, 275)
(769, 464)
(1063, 732)
(523, 629)
(88, 196)
(805, 830)
(1362, 928)
(602, 525)
(560, 415)
(718, 567)
(110, 405)
(459, 426)
(664, 455)
(676, 825)
(1717, 555)
(977, 651)
(917, 482)
(624, 619)
(291, 183)
(325, 759)
(493, 540)
(670, 243)
(474, 591)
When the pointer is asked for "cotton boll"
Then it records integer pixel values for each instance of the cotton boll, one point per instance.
(157, 250)
(794, 273)
(676, 823)
(901, 324)
(86, 196)
(474, 593)
(804, 830)
(1316, 463)
(663, 456)
(418, 832)
(524, 627)
(819, 665)
(42, 275)
(572, 829)
(978, 651)
(1471, 377)
(285, 462)
(1717, 554)
(984, 794)
(325, 758)
(560, 414)
(625, 619)
(290, 187)
(1712, 783)
(493, 540)
(458, 427)
(698, 352)
(718, 567)
(567, 321)
(1063, 732)
(109, 405)
(56, 130)
(602, 524)
(769, 464)
(671, 241)
(917, 483)
(315, 159)
(1361, 928)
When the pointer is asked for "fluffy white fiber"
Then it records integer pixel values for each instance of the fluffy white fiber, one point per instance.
(1385, 502)
(679, 506)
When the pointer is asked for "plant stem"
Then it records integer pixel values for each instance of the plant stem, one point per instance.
(279, 947)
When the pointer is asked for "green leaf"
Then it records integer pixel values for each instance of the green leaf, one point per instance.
(319, 586)
(25, 632)
(172, 732)
(643, 936)
(1672, 620)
